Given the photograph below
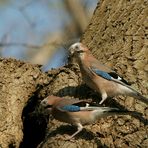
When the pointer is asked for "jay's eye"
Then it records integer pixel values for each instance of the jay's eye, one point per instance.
(77, 47)
(48, 106)
(80, 51)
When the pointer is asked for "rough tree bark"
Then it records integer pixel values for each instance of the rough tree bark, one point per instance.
(117, 36)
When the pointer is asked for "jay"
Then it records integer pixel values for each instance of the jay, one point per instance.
(101, 78)
(71, 111)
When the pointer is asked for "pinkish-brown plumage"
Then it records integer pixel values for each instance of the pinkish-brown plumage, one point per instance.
(99, 77)
(70, 111)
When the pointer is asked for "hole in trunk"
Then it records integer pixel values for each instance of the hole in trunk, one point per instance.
(34, 123)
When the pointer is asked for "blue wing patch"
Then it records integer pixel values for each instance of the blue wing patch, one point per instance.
(109, 76)
(71, 108)
(103, 74)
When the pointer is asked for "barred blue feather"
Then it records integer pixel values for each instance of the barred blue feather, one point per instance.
(71, 108)
(109, 76)
(103, 74)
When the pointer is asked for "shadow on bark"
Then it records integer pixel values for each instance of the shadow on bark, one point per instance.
(35, 121)
(67, 130)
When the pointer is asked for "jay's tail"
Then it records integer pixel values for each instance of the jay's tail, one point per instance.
(115, 111)
(99, 112)
(137, 95)
(127, 90)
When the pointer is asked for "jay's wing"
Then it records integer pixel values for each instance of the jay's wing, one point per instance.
(69, 104)
(105, 111)
(95, 111)
(94, 63)
(104, 71)
(91, 108)
(76, 108)
(112, 76)
(70, 108)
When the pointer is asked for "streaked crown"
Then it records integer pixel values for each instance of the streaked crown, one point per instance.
(77, 47)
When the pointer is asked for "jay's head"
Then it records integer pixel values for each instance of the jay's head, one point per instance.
(77, 49)
(49, 101)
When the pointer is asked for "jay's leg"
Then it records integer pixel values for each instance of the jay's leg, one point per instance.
(80, 127)
(104, 97)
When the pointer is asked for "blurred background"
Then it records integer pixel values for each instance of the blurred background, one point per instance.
(40, 31)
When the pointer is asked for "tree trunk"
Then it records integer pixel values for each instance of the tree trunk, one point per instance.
(18, 82)
(117, 36)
